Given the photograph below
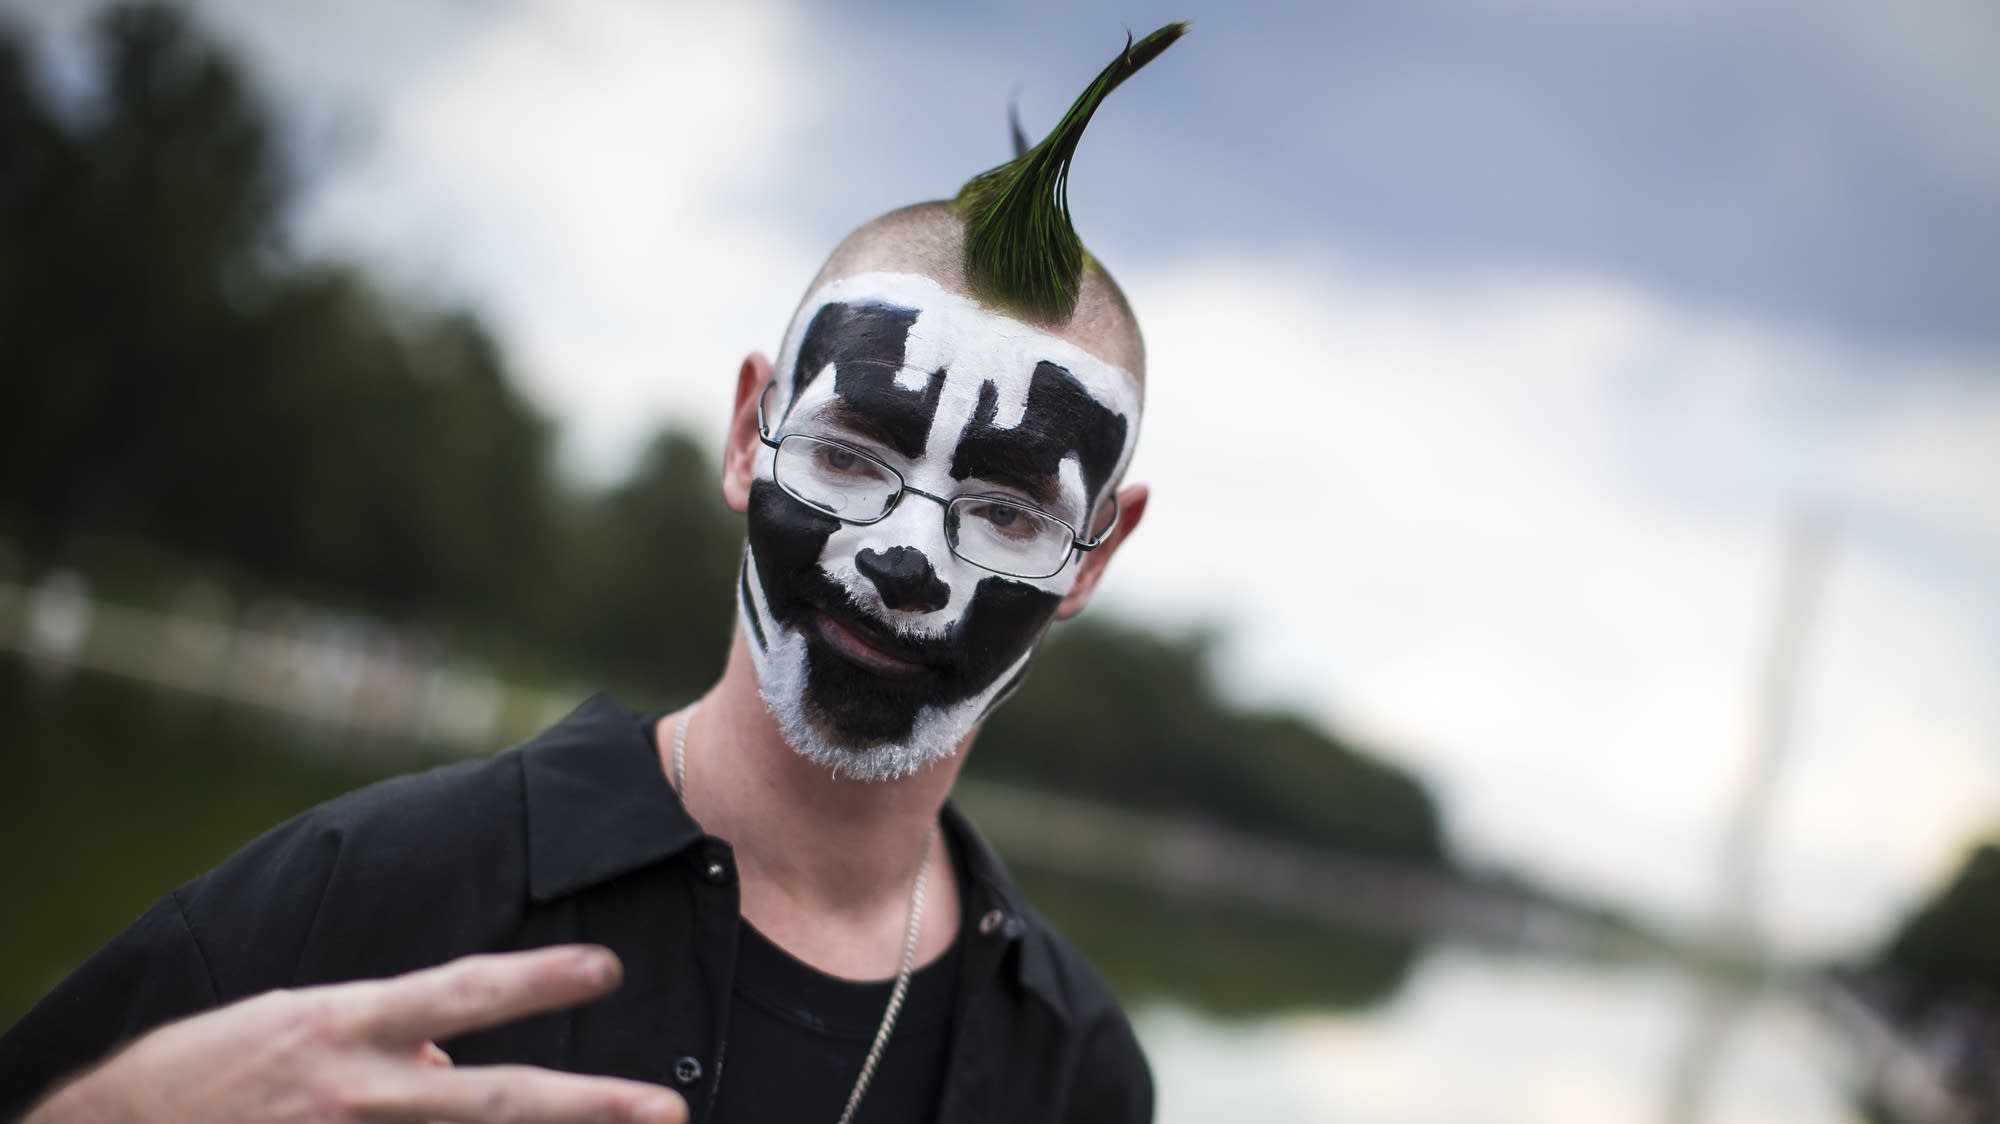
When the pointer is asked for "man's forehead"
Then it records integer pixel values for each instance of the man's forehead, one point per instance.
(923, 325)
(946, 379)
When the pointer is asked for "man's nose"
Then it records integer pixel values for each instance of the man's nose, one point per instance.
(904, 577)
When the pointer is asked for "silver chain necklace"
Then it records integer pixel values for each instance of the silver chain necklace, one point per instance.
(911, 929)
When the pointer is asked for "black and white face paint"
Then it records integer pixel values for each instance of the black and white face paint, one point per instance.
(876, 648)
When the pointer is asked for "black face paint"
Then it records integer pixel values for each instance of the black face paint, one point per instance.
(749, 606)
(786, 538)
(840, 333)
(904, 578)
(873, 404)
(865, 344)
(864, 708)
(1061, 419)
(1007, 692)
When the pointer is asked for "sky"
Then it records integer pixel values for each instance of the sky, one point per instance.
(1494, 347)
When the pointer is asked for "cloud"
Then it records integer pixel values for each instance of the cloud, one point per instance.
(573, 169)
(1528, 529)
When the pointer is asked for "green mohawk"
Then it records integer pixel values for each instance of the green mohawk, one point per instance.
(1021, 250)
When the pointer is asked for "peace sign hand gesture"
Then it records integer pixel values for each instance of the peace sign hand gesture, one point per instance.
(366, 1053)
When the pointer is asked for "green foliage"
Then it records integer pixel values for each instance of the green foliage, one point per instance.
(1021, 249)
(1228, 962)
(173, 376)
(1951, 945)
(1134, 718)
(655, 595)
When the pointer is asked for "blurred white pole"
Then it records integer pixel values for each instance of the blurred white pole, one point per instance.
(1737, 922)
(1806, 545)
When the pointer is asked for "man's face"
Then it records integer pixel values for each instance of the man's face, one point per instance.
(876, 647)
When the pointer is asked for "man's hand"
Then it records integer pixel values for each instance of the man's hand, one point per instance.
(366, 1051)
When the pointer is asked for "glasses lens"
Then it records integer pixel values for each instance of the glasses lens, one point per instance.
(1007, 537)
(836, 479)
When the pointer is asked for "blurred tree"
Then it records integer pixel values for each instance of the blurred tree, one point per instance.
(125, 231)
(176, 376)
(1950, 946)
(38, 174)
(1135, 718)
(654, 595)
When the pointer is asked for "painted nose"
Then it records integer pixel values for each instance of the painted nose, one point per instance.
(904, 578)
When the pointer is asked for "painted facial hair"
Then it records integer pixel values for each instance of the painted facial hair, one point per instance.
(878, 649)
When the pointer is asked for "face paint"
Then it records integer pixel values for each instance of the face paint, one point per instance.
(876, 648)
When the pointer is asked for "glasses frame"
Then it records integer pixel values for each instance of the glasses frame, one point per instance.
(1076, 542)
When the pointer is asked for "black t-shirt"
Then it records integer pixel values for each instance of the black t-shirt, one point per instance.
(798, 1037)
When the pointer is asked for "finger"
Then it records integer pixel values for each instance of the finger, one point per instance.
(476, 992)
(517, 1094)
(433, 1054)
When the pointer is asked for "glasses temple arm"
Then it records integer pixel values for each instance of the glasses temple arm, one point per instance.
(1092, 544)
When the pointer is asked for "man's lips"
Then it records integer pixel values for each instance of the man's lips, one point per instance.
(867, 653)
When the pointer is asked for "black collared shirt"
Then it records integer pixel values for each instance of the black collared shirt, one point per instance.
(574, 836)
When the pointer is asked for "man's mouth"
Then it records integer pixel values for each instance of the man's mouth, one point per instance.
(867, 652)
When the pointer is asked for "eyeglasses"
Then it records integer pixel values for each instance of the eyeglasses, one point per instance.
(992, 532)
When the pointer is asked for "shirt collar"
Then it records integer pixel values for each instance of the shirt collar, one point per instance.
(598, 806)
(598, 802)
(992, 889)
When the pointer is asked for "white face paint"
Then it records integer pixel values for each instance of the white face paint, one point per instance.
(877, 648)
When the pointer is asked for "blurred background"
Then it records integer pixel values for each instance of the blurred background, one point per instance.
(1559, 675)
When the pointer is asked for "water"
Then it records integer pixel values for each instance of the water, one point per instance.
(1496, 1039)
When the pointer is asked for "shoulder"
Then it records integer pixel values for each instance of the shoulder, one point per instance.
(1112, 1080)
(1056, 966)
(1109, 1079)
(421, 868)
(390, 876)
(1049, 964)
(419, 819)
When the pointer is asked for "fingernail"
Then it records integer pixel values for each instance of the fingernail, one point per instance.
(658, 1110)
(601, 965)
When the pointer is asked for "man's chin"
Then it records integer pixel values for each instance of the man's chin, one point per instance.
(829, 738)
(859, 708)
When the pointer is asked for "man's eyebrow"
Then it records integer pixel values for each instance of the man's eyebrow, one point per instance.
(1060, 421)
(1042, 489)
(862, 423)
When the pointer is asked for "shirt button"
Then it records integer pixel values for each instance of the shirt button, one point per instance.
(715, 872)
(990, 923)
(687, 1070)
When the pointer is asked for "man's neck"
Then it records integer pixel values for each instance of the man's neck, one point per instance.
(825, 863)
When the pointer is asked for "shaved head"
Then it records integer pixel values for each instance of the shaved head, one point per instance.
(928, 239)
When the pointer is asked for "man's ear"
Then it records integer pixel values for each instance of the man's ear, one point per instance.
(1131, 507)
(739, 449)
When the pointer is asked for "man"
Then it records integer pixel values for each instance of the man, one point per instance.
(807, 928)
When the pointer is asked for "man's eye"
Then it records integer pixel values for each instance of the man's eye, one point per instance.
(837, 461)
(1007, 521)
